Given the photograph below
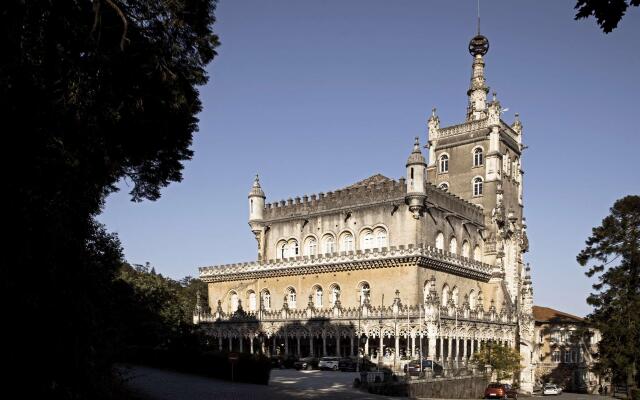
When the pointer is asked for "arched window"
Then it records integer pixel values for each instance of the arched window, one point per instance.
(455, 296)
(477, 187)
(281, 249)
(445, 295)
(328, 244)
(294, 250)
(266, 299)
(346, 242)
(473, 300)
(477, 157)
(365, 291)
(380, 237)
(440, 241)
(317, 296)
(335, 293)
(453, 245)
(366, 239)
(477, 253)
(252, 301)
(444, 186)
(466, 249)
(310, 246)
(233, 301)
(444, 163)
(425, 290)
(291, 298)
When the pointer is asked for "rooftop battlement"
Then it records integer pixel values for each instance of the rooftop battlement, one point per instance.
(375, 189)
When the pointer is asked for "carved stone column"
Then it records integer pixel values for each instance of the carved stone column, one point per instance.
(324, 344)
(351, 345)
(338, 345)
(298, 345)
(310, 345)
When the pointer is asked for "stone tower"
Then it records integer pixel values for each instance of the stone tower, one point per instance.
(479, 160)
(256, 214)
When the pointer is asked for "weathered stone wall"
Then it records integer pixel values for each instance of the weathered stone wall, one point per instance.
(449, 388)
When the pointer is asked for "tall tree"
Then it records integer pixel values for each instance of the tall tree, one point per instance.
(613, 255)
(91, 92)
(607, 13)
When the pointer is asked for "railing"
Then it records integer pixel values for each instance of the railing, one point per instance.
(333, 259)
(402, 313)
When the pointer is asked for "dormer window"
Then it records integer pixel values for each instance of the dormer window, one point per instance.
(444, 163)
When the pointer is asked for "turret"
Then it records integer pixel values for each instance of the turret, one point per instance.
(416, 173)
(256, 215)
(256, 202)
(434, 126)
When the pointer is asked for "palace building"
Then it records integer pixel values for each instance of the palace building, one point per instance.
(429, 265)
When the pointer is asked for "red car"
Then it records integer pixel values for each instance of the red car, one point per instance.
(500, 391)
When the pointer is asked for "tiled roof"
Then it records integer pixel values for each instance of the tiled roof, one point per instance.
(546, 314)
(372, 180)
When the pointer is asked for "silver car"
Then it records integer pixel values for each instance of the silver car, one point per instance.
(331, 363)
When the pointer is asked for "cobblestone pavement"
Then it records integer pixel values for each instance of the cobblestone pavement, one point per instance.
(156, 384)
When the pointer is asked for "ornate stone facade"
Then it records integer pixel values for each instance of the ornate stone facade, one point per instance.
(443, 246)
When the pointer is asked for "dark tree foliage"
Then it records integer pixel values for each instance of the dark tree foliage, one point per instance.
(607, 13)
(613, 254)
(159, 310)
(91, 92)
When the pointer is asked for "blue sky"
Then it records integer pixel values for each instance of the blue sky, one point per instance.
(315, 95)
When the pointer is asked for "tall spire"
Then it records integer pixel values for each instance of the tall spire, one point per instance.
(478, 47)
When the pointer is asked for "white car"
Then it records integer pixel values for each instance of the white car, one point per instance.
(550, 388)
(329, 363)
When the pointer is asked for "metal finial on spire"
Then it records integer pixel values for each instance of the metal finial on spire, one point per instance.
(478, 17)
(479, 45)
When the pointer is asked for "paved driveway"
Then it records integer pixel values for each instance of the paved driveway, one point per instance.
(156, 384)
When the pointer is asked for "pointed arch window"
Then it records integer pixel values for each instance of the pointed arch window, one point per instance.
(266, 299)
(473, 300)
(477, 186)
(453, 245)
(335, 293)
(233, 301)
(365, 292)
(444, 163)
(477, 253)
(317, 296)
(291, 298)
(466, 249)
(455, 296)
(252, 301)
(478, 158)
(445, 295)
(440, 241)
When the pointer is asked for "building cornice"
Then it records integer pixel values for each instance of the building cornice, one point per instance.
(420, 256)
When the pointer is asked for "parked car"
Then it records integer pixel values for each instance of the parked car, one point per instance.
(428, 366)
(306, 363)
(329, 363)
(347, 364)
(551, 389)
(500, 391)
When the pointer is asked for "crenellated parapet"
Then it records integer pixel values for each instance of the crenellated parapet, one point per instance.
(375, 189)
